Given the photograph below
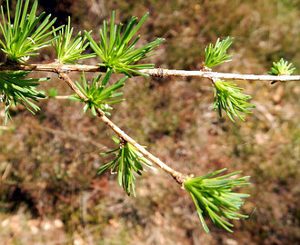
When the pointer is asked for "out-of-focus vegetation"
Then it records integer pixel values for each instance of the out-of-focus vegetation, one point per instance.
(49, 191)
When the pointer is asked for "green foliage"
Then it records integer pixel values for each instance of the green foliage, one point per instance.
(99, 94)
(127, 163)
(117, 46)
(282, 67)
(217, 54)
(26, 34)
(212, 195)
(229, 97)
(69, 49)
(16, 88)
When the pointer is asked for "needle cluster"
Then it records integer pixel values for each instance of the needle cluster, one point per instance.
(230, 99)
(216, 54)
(213, 196)
(99, 94)
(282, 67)
(16, 88)
(70, 49)
(117, 46)
(127, 163)
(26, 33)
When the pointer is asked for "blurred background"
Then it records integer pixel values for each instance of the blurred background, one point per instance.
(49, 190)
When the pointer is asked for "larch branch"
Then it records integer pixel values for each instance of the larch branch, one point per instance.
(158, 72)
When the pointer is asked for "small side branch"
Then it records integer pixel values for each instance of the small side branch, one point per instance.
(179, 177)
(158, 72)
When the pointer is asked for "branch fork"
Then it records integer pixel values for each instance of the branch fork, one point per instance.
(179, 177)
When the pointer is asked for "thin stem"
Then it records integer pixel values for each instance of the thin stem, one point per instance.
(57, 97)
(158, 72)
(219, 75)
(179, 177)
